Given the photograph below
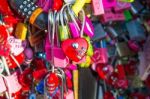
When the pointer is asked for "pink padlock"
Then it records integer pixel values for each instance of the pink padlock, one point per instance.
(122, 6)
(109, 3)
(98, 7)
(100, 54)
(69, 95)
(13, 83)
(2, 85)
(74, 30)
(60, 60)
(88, 27)
(110, 16)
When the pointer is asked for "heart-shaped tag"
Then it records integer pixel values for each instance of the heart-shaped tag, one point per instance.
(75, 49)
(16, 45)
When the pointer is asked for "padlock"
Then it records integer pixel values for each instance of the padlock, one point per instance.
(2, 85)
(109, 3)
(63, 27)
(98, 7)
(127, 15)
(21, 31)
(40, 87)
(110, 16)
(40, 69)
(136, 30)
(25, 79)
(12, 83)
(99, 32)
(120, 49)
(88, 28)
(100, 54)
(90, 48)
(78, 5)
(112, 32)
(55, 53)
(133, 45)
(122, 6)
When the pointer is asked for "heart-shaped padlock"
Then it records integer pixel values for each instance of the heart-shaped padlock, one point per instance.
(75, 48)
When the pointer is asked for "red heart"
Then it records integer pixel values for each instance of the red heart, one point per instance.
(75, 49)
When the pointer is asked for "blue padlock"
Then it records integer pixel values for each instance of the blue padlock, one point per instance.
(40, 87)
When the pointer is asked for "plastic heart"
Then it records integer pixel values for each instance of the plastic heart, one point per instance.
(75, 49)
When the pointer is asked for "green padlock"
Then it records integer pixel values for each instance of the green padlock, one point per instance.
(127, 15)
(63, 27)
(63, 32)
(90, 48)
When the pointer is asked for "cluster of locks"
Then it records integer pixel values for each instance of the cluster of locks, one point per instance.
(74, 49)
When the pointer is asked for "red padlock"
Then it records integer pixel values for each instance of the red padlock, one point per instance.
(108, 95)
(39, 69)
(25, 79)
(11, 63)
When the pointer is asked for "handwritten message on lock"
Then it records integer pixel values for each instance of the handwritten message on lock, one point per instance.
(16, 45)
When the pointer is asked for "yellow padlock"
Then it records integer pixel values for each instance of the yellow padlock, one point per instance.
(87, 63)
(88, 1)
(126, 0)
(90, 48)
(21, 31)
(78, 5)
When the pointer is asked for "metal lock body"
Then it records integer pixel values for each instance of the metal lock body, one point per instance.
(99, 32)
(136, 30)
(123, 49)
